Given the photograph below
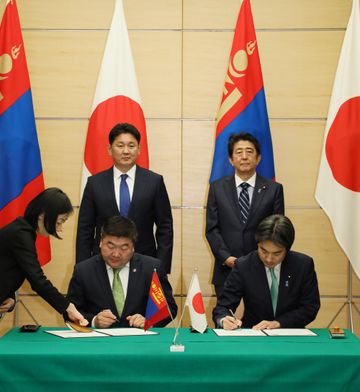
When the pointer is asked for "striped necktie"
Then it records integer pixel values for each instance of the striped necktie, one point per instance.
(244, 201)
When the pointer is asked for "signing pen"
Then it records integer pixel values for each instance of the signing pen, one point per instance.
(233, 315)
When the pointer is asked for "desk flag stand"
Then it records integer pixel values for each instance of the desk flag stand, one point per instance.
(176, 344)
(349, 301)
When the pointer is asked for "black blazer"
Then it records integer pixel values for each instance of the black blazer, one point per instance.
(90, 289)
(298, 297)
(227, 235)
(18, 261)
(149, 205)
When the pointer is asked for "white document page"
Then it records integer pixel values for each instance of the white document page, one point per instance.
(73, 334)
(239, 332)
(289, 332)
(125, 332)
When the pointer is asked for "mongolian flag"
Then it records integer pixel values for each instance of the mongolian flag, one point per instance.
(157, 307)
(21, 177)
(116, 100)
(243, 105)
(338, 185)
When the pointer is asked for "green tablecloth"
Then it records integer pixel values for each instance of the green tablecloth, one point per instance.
(43, 362)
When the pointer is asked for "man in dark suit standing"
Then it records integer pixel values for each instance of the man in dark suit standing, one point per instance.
(112, 287)
(279, 286)
(237, 204)
(132, 191)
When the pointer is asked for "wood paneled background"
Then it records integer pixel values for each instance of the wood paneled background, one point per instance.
(181, 50)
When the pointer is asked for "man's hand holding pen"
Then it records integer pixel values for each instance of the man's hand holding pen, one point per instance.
(231, 322)
(105, 319)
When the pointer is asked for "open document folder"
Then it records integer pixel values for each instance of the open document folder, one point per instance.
(98, 333)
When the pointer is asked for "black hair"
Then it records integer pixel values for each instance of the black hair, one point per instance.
(121, 128)
(278, 229)
(119, 226)
(51, 202)
(234, 138)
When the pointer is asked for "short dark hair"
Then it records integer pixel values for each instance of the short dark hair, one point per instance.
(51, 202)
(119, 226)
(278, 229)
(121, 128)
(236, 137)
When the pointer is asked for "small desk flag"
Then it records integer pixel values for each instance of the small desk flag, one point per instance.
(157, 307)
(194, 301)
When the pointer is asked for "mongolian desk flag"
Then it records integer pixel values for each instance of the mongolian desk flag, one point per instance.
(21, 177)
(243, 105)
(338, 184)
(157, 307)
(116, 100)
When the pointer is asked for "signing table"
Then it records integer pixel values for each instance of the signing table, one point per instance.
(42, 362)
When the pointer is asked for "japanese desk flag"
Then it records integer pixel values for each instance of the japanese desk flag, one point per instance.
(338, 185)
(116, 100)
(194, 301)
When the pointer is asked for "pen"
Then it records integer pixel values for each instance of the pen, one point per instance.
(233, 315)
(108, 310)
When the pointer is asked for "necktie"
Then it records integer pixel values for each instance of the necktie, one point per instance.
(118, 292)
(274, 289)
(124, 196)
(244, 201)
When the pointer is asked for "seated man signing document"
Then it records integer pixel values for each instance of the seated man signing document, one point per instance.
(112, 288)
(278, 285)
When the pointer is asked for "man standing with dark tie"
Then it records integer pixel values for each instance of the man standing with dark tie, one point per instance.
(131, 191)
(237, 204)
(279, 286)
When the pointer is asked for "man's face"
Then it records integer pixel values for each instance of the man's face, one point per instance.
(124, 150)
(244, 159)
(271, 253)
(116, 251)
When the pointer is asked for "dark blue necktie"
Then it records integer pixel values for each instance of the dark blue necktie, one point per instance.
(244, 201)
(124, 196)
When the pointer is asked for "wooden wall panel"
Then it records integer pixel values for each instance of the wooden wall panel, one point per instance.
(297, 150)
(92, 14)
(284, 14)
(198, 148)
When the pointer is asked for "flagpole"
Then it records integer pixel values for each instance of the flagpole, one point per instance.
(349, 301)
(182, 315)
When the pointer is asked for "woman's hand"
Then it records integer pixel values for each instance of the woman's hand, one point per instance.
(7, 305)
(76, 316)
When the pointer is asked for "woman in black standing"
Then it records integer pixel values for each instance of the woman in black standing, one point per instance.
(44, 215)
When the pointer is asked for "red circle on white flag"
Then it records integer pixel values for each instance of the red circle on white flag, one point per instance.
(342, 145)
(198, 304)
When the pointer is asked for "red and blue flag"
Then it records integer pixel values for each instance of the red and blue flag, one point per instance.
(243, 104)
(21, 176)
(157, 308)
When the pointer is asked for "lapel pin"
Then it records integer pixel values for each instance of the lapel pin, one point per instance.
(134, 270)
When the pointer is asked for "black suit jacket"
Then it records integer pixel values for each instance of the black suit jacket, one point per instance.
(18, 261)
(226, 233)
(90, 289)
(298, 297)
(149, 205)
